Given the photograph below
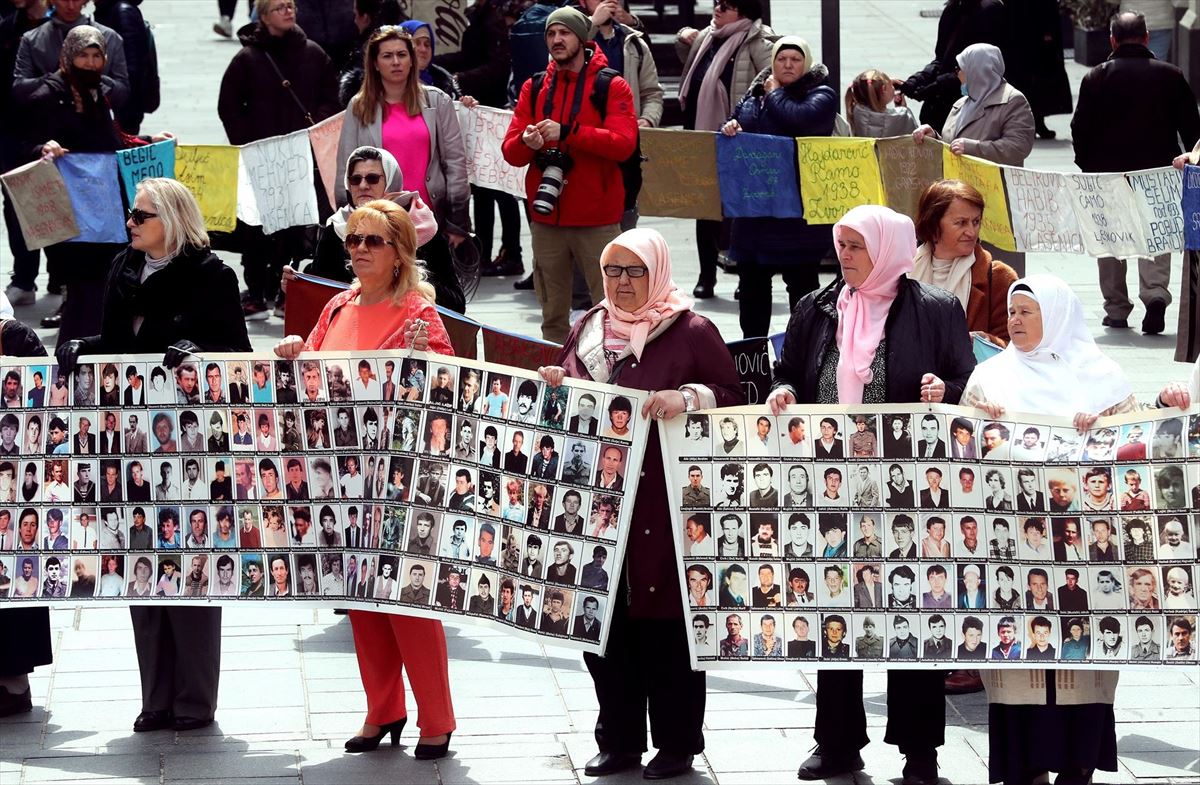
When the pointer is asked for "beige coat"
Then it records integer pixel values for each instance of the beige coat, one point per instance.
(1002, 133)
(752, 57)
(642, 75)
(1027, 687)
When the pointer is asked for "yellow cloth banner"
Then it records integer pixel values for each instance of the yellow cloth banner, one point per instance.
(988, 179)
(836, 174)
(211, 172)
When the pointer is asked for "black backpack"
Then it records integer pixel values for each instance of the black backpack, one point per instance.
(152, 87)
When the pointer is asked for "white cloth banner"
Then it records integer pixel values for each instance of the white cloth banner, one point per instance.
(281, 178)
(483, 130)
(1042, 215)
(1158, 194)
(1106, 213)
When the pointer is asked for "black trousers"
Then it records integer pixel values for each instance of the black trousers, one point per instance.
(916, 704)
(711, 237)
(264, 256)
(228, 7)
(83, 268)
(754, 302)
(27, 636)
(25, 261)
(439, 266)
(632, 676)
(179, 657)
(486, 201)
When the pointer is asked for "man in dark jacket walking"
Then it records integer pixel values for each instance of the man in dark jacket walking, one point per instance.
(573, 228)
(1133, 111)
(278, 83)
(124, 17)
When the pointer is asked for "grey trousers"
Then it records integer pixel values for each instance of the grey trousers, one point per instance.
(1154, 280)
(179, 656)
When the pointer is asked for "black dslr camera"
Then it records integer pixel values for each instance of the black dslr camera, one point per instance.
(554, 164)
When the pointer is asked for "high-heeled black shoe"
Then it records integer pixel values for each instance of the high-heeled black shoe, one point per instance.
(432, 751)
(368, 743)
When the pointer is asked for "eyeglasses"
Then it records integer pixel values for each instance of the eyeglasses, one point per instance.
(372, 241)
(139, 217)
(372, 179)
(615, 270)
(281, 8)
(722, 5)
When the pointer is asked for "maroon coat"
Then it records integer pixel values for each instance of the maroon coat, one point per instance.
(690, 351)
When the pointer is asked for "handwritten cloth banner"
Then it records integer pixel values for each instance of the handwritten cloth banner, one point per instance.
(95, 191)
(210, 171)
(876, 536)
(1191, 207)
(39, 197)
(679, 175)
(985, 176)
(391, 487)
(135, 164)
(837, 174)
(753, 361)
(1158, 194)
(483, 130)
(907, 169)
(324, 137)
(281, 178)
(1107, 215)
(757, 175)
(1043, 218)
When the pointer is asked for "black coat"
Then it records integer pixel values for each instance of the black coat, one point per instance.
(13, 24)
(807, 107)
(481, 64)
(1037, 69)
(926, 332)
(194, 298)
(124, 17)
(254, 104)
(1132, 97)
(50, 114)
(963, 22)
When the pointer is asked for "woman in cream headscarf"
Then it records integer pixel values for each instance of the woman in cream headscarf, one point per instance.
(875, 336)
(645, 335)
(992, 120)
(789, 98)
(1042, 721)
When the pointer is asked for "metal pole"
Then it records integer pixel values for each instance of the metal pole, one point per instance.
(831, 42)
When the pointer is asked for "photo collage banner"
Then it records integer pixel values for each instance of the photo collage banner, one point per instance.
(414, 484)
(925, 536)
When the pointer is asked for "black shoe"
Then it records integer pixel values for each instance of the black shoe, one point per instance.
(15, 702)
(525, 284)
(824, 765)
(1155, 320)
(666, 765)
(611, 762)
(190, 723)
(920, 768)
(703, 291)
(368, 743)
(152, 720)
(1043, 132)
(502, 265)
(1115, 323)
(1078, 777)
(54, 320)
(432, 751)
(737, 293)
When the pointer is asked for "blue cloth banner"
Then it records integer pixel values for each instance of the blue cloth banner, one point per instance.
(92, 184)
(757, 174)
(776, 342)
(137, 163)
(1191, 208)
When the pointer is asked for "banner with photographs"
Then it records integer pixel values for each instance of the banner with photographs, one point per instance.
(924, 536)
(416, 484)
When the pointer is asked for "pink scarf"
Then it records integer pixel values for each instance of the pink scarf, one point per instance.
(713, 103)
(862, 313)
(664, 300)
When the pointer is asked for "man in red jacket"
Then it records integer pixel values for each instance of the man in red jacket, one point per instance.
(566, 129)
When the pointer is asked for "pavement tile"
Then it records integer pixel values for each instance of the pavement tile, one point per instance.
(78, 768)
(338, 702)
(110, 715)
(264, 717)
(748, 750)
(1176, 763)
(554, 768)
(1167, 736)
(765, 718)
(337, 767)
(292, 780)
(231, 766)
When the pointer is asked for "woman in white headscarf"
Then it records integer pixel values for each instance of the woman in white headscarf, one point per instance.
(991, 121)
(1041, 721)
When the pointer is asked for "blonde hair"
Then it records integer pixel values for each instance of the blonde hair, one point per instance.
(867, 88)
(402, 236)
(183, 223)
(369, 99)
(263, 7)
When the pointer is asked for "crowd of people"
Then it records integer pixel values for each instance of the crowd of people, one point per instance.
(895, 326)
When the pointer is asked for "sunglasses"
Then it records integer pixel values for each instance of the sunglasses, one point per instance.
(373, 241)
(372, 179)
(615, 270)
(139, 217)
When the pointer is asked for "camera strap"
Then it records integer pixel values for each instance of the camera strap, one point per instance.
(576, 101)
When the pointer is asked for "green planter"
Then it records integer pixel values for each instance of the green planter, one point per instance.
(1091, 47)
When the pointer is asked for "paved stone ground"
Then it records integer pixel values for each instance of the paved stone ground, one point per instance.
(289, 688)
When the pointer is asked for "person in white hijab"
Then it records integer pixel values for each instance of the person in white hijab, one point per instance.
(1051, 367)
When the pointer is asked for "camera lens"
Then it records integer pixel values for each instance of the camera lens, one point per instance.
(549, 189)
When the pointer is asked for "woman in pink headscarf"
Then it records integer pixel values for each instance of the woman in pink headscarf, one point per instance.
(645, 335)
(875, 336)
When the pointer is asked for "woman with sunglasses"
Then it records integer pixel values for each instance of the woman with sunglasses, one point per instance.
(168, 292)
(371, 174)
(389, 306)
(69, 113)
(417, 124)
(644, 334)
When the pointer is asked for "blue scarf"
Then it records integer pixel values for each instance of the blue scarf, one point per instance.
(411, 27)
